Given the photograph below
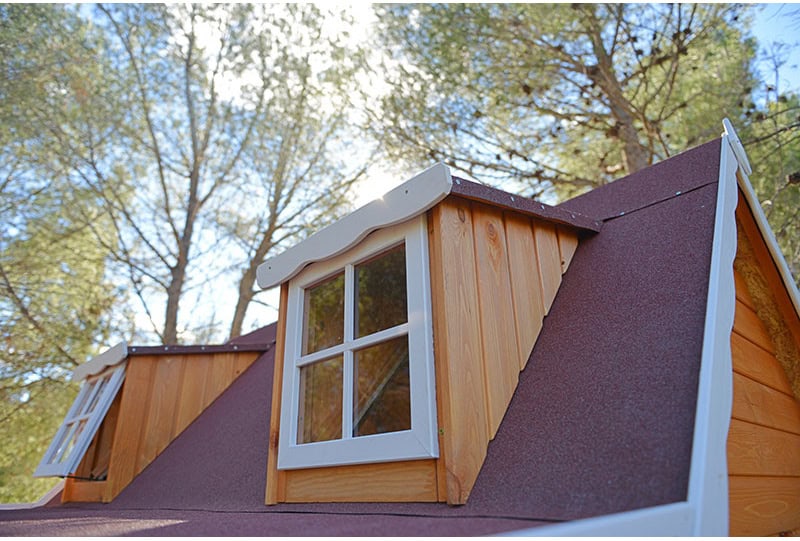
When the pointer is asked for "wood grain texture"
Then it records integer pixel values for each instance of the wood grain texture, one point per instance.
(768, 269)
(761, 506)
(407, 481)
(162, 408)
(458, 348)
(496, 309)
(747, 324)
(549, 257)
(134, 410)
(758, 450)
(757, 403)
(567, 244)
(83, 491)
(758, 364)
(191, 401)
(161, 396)
(276, 480)
(526, 284)
(742, 293)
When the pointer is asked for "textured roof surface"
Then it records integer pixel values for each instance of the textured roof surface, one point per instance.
(601, 422)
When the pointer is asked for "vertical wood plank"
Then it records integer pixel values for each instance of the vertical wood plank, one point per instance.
(567, 244)
(243, 361)
(220, 375)
(132, 417)
(526, 284)
(190, 402)
(458, 348)
(500, 353)
(549, 261)
(163, 402)
(438, 305)
(276, 480)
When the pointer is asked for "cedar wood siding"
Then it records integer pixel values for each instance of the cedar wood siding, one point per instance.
(494, 274)
(160, 397)
(764, 437)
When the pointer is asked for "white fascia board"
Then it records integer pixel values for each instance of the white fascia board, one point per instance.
(761, 220)
(408, 200)
(708, 478)
(110, 357)
(670, 520)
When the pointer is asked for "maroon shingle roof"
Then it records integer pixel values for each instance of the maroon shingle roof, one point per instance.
(601, 422)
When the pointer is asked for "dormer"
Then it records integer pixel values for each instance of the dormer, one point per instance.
(401, 334)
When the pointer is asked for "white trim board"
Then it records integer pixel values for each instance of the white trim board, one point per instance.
(410, 199)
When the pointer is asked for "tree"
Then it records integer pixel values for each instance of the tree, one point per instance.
(54, 298)
(564, 95)
(207, 99)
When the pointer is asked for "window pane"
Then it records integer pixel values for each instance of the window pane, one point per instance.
(324, 315)
(381, 292)
(320, 415)
(381, 401)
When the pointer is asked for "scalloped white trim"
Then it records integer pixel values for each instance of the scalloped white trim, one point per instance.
(410, 199)
(109, 357)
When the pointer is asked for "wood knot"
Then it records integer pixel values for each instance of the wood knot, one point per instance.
(462, 215)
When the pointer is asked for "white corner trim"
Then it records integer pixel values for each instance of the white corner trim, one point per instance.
(109, 357)
(52, 493)
(670, 520)
(708, 479)
(398, 205)
(736, 145)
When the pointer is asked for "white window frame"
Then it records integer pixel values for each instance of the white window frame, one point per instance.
(90, 406)
(421, 440)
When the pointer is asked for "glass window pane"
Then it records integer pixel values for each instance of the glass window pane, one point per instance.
(324, 315)
(381, 292)
(320, 406)
(381, 400)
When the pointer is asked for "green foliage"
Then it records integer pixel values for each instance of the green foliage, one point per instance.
(562, 95)
(53, 297)
(772, 142)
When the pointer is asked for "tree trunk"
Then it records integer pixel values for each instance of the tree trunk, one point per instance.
(245, 296)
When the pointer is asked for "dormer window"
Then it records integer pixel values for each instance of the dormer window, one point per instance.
(358, 377)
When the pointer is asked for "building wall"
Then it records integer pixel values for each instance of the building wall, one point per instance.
(161, 395)
(764, 437)
(494, 276)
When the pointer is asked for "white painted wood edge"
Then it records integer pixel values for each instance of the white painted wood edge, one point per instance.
(400, 204)
(670, 520)
(736, 145)
(767, 233)
(109, 357)
(52, 493)
(708, 478)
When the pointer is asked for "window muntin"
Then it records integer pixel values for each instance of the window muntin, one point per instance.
(380, 291)
(81, 423)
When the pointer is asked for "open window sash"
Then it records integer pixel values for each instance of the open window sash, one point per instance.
(81, 423)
